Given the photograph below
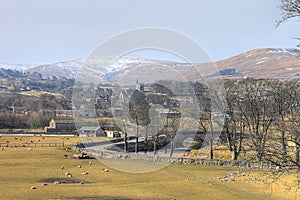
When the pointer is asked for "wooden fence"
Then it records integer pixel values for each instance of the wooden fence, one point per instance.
(34, 144)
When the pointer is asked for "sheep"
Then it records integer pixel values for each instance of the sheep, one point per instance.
(79, 166)
(105, 170)
(68, 173)
(29, 149)
(90, 163)
(81, 183)
(66, 156)
(33, 187)
(44, 184)
(85, 173)
(68, 149)
(56, 182)
(70, 176)
(62, 167)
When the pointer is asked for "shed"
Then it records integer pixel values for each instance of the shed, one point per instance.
(91, 131)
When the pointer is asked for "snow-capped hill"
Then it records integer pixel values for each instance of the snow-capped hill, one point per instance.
(18, 67)
(265, 63)
(259, 63)
(66, 69)
(283, 50)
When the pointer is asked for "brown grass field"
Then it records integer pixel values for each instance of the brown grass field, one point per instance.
(22, 168)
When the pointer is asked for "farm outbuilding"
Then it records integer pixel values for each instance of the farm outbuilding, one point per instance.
(112, 134)
(61, 126)
(91, 131)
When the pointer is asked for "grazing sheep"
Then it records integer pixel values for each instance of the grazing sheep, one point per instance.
(68, 149)
(90, 163)
(7, 141)
(85, 173)
(66, 156)
(44, 184)
(33, 187)
(68, 173)
(62, 167)
(23, 145)
(79, 166)
(31, 141)
(56, 183)
(105, 170)
(81, 183)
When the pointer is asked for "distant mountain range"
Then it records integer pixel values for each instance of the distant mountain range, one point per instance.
(272, 63)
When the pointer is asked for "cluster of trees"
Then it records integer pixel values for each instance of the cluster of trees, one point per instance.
(263, 117)
(11, 121)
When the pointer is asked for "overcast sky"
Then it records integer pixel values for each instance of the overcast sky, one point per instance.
(47, 31)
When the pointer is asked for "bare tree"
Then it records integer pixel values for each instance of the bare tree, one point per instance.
(139, 112)
(278, 142)
(290, 9)
(293, 120)
(234, 125)
(257, 109)
(173, 124)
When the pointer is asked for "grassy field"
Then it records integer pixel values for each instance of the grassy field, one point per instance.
(22, 168)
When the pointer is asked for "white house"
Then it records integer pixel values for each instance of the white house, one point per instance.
(112, 134)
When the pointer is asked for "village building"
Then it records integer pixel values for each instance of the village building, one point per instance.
(60, 126)
(91, 131)
(113, 133)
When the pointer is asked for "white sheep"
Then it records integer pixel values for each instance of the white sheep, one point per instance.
(85, 173)
(68, 173)
(33, 187)
(105, 170)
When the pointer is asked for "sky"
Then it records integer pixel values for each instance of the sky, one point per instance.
(48, 31)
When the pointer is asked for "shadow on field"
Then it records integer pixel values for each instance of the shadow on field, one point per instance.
(63, 180)
(101, 198)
